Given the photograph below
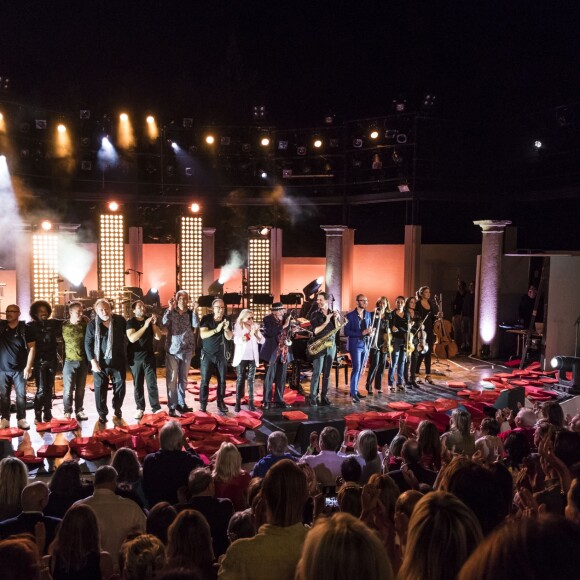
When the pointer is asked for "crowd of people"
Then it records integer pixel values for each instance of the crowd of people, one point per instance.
(494, 501)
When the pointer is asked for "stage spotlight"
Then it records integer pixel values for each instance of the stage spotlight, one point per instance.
(150, 119)
(175, 146)
(124, 117)
(195, 207)
(264, 231)
(263, 175)
(1, 117)
(152, 129)
(313, 287)
(216, 288)
(152, 297)
(318, 143)
(566, 364)
(538, 144)
(2, 124)
(210, 139)
(46, 225)
(113, 206)
(264, 142)
(404, 188)
(61, 128)
(374, 134)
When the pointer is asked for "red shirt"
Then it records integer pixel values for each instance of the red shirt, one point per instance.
(235, 489)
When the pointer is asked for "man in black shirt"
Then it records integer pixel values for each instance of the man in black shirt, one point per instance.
(45, 331)
(214, 330)
(141, 357)
(17, 351)
(321, 322)
(105, 348)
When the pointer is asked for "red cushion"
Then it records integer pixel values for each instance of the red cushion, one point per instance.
(63, 425)
(31, 460)
(231, 429)
(255, 414)
(95, 450)
(456, 384)
(52, 451)
(295, 416)
(399, 405)
(11, 432)
(202, 417)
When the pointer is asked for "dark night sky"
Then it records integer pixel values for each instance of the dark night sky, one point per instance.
(487, 62)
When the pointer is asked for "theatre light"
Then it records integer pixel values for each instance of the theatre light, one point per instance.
(210, 139)
(124, 117)
(46, 225)
(190, 267)
(259, 270)
(565, 364)
(318, 143)
(374, 134)
(264, 141)
(195, 207)
(61, 128)
(45, 266)
(111, 254)
(113, 206)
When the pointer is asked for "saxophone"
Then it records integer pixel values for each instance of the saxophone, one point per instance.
(325, 340)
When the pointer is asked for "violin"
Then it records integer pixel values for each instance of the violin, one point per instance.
(409, 344)
(387, 346)
(445, 346)
(423, 346)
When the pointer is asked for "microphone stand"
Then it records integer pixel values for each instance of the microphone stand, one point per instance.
(577, 325)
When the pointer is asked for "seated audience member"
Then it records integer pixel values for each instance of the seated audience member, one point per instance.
(489, 445)
(230, 480)
(572, 511)
(66, 487)
(366, 447)
(343, 548)
(531, 548)
(20, 560)
(504, 479)
(480, 491)
(516, 449)
(442, 534)
(350, 470)
(189, 544)
(166, 470)
(275, 550)
(129, 478)
(553, 414)
(159, 518)
(217, 511)
(395, 460)
(117, 516)
(525, 422)
(412, 455)
(428, 438)
(76, 550)
(349, 499)
(13, 479)
(403, 510)
(277, 450)
(575, 423)
(459, 438)
(241, 526)
(142, 558)
(327, 463)
(34, 498)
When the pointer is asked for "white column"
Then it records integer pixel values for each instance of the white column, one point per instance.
(134, 261)
(339, 242)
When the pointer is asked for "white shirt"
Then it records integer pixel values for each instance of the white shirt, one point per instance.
(245, 349)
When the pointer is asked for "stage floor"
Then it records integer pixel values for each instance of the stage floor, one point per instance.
(468, 370)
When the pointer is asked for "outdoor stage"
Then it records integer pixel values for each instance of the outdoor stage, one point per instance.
(477, 386)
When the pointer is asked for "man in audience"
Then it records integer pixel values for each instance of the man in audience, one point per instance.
(525, 422)
(34, 500)
(412, 454)
(117, 516)
(166, 470)
(216, 511)
(277, 447)
(328, 462)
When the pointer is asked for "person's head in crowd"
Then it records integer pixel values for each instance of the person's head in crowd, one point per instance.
(388, 493)
(553, 413)
(342, 548)
(458, 462)
(572, 511)
(277, 443)
(19, 559)
(241, 526)
(525, 418)
(310, 478)
(13, 479)
(575, 423)
(142, 558)
(480, 491)
(505, 481)
(443, 532)
(543, 430)
(567, 447)
(404, 507)
(350, 470)
(366, 445)
(126, 462)
(543, 548)
(254, 488)
(516, 448)
(428, 438)
(40, 310)
(349, 499)
(171, 436)
(106, 478)
(461, 422)
(200, 482)
(77, 538)
(285, 491)
(397, 445)
(66, 480)
(411, 452)
(329, 439)
(189, 542)
(160, 517)
(228, 462)
(35, 497)
(489, 426)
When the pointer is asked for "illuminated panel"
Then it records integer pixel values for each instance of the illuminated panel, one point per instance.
(45, 267)
(259, 273)
(190, 256)
(111, 255)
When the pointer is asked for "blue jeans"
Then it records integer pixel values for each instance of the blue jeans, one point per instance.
(74, 376)
(322, 364)
(176, 376)
(7, 379)
(357, 356)
(397, 363)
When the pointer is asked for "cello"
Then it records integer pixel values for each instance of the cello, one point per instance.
(445, 346)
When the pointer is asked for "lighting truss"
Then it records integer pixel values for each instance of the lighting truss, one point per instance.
(112, 255)
(45, 266)
(259, 272)
(190, 271)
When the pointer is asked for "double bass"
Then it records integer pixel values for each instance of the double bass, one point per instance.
(445, 346)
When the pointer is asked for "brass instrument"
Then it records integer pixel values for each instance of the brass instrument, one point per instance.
(325, 340)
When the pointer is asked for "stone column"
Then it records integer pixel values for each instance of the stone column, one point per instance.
(275, 263)
(134, 258)
(412, 259)
(490, 273)
(339, 249)
(208, 257)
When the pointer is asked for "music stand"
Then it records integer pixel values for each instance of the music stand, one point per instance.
(292, 299)
(264, 299)
(206, 300)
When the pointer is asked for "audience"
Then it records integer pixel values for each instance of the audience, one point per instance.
(349, 499)
(20, 560)
(142, 558)
(350, 470)
(129, 478)
(404, 507)
(428, 438)
(66, 487)
(13, 479)
(459, 438)
(366, 447)
(159, 519)
(277, 450)
(489, 444)
(412, 455)
(327, 463)
(230, 480)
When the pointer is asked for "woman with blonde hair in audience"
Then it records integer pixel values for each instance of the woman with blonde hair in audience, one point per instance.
(230, 480)
(189, 544)
(76, 549)
(367, 448)
(442, 534)
(459, 438)
(403, 511)
(343, 548)
(13, 479)
(143, 557)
